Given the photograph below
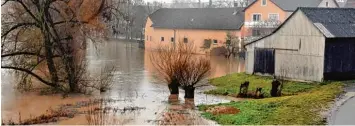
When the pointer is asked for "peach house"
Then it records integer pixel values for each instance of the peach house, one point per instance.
(193, 25)
(263, 16)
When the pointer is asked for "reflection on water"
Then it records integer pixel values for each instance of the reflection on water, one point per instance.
(133, 86)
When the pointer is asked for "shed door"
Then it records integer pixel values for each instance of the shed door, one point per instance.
(339, 59)
(264, 61)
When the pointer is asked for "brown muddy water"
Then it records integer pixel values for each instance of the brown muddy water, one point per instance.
(133, 87)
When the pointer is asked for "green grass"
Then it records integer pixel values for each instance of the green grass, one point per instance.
(303, 108)
(229, 85)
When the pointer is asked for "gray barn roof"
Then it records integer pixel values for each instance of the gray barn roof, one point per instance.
(198, 18)
(333, 22)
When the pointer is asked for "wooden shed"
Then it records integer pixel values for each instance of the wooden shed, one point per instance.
(313, 44)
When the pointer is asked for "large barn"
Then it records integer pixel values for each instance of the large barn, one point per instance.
(314, 44)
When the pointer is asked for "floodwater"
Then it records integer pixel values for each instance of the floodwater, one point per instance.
(133, 87)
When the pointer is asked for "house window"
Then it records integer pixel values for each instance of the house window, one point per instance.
(147, 38)
(172, 39)
(185, 40)
(263, 3)
(162, 39)
(256, 17)
(274, 17)
(326, 4)
(151, 38)
(256, 32)
(215, 41)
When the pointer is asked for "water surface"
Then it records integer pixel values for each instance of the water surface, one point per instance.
(133, 86)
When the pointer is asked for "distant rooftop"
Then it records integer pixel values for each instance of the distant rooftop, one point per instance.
(198, 18)
(292, 5)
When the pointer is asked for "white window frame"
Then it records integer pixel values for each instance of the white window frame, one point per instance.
(252, 17)
(278, 16)
(262, 2)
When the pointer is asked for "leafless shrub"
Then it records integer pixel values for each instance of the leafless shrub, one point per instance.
(179, 67)
(232, 44)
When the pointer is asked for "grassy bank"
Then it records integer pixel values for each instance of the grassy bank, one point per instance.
(303, 105)
(229, 85)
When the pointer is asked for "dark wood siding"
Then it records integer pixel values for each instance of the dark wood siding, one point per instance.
(264, 61)
(339, 59)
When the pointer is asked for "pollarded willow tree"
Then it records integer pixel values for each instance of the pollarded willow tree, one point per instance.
(179, 67)
(51, 34)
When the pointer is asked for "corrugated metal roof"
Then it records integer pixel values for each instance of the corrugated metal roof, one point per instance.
(198, 18)
(340, 22)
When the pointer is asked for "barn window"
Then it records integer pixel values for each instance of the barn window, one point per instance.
(185, 40)
(263, 3)
(256, 17)
(162, 39)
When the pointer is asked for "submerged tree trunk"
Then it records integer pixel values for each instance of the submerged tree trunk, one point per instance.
(189, 92)
(174, 87)
(174, 91)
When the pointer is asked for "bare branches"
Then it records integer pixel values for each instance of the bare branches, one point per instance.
(17, 26)
(29, 72)
(49, 29)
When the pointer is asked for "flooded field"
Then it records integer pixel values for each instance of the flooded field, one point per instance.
(136, 97)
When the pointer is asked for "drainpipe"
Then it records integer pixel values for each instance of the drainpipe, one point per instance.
(174, 38)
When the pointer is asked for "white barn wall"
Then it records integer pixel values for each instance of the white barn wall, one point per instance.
(306, 61)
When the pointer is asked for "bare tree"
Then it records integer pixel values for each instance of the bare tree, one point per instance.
(52, 33)
(232, 44)
(179, 67)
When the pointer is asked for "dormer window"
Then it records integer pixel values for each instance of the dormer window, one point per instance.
(263, 2)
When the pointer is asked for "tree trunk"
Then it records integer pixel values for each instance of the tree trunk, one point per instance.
(189, 92)
(174, 87)
(49, 58)
(274, 88)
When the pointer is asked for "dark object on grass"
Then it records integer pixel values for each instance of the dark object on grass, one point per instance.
(243, 90)
(275, 88)
(258, 94)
